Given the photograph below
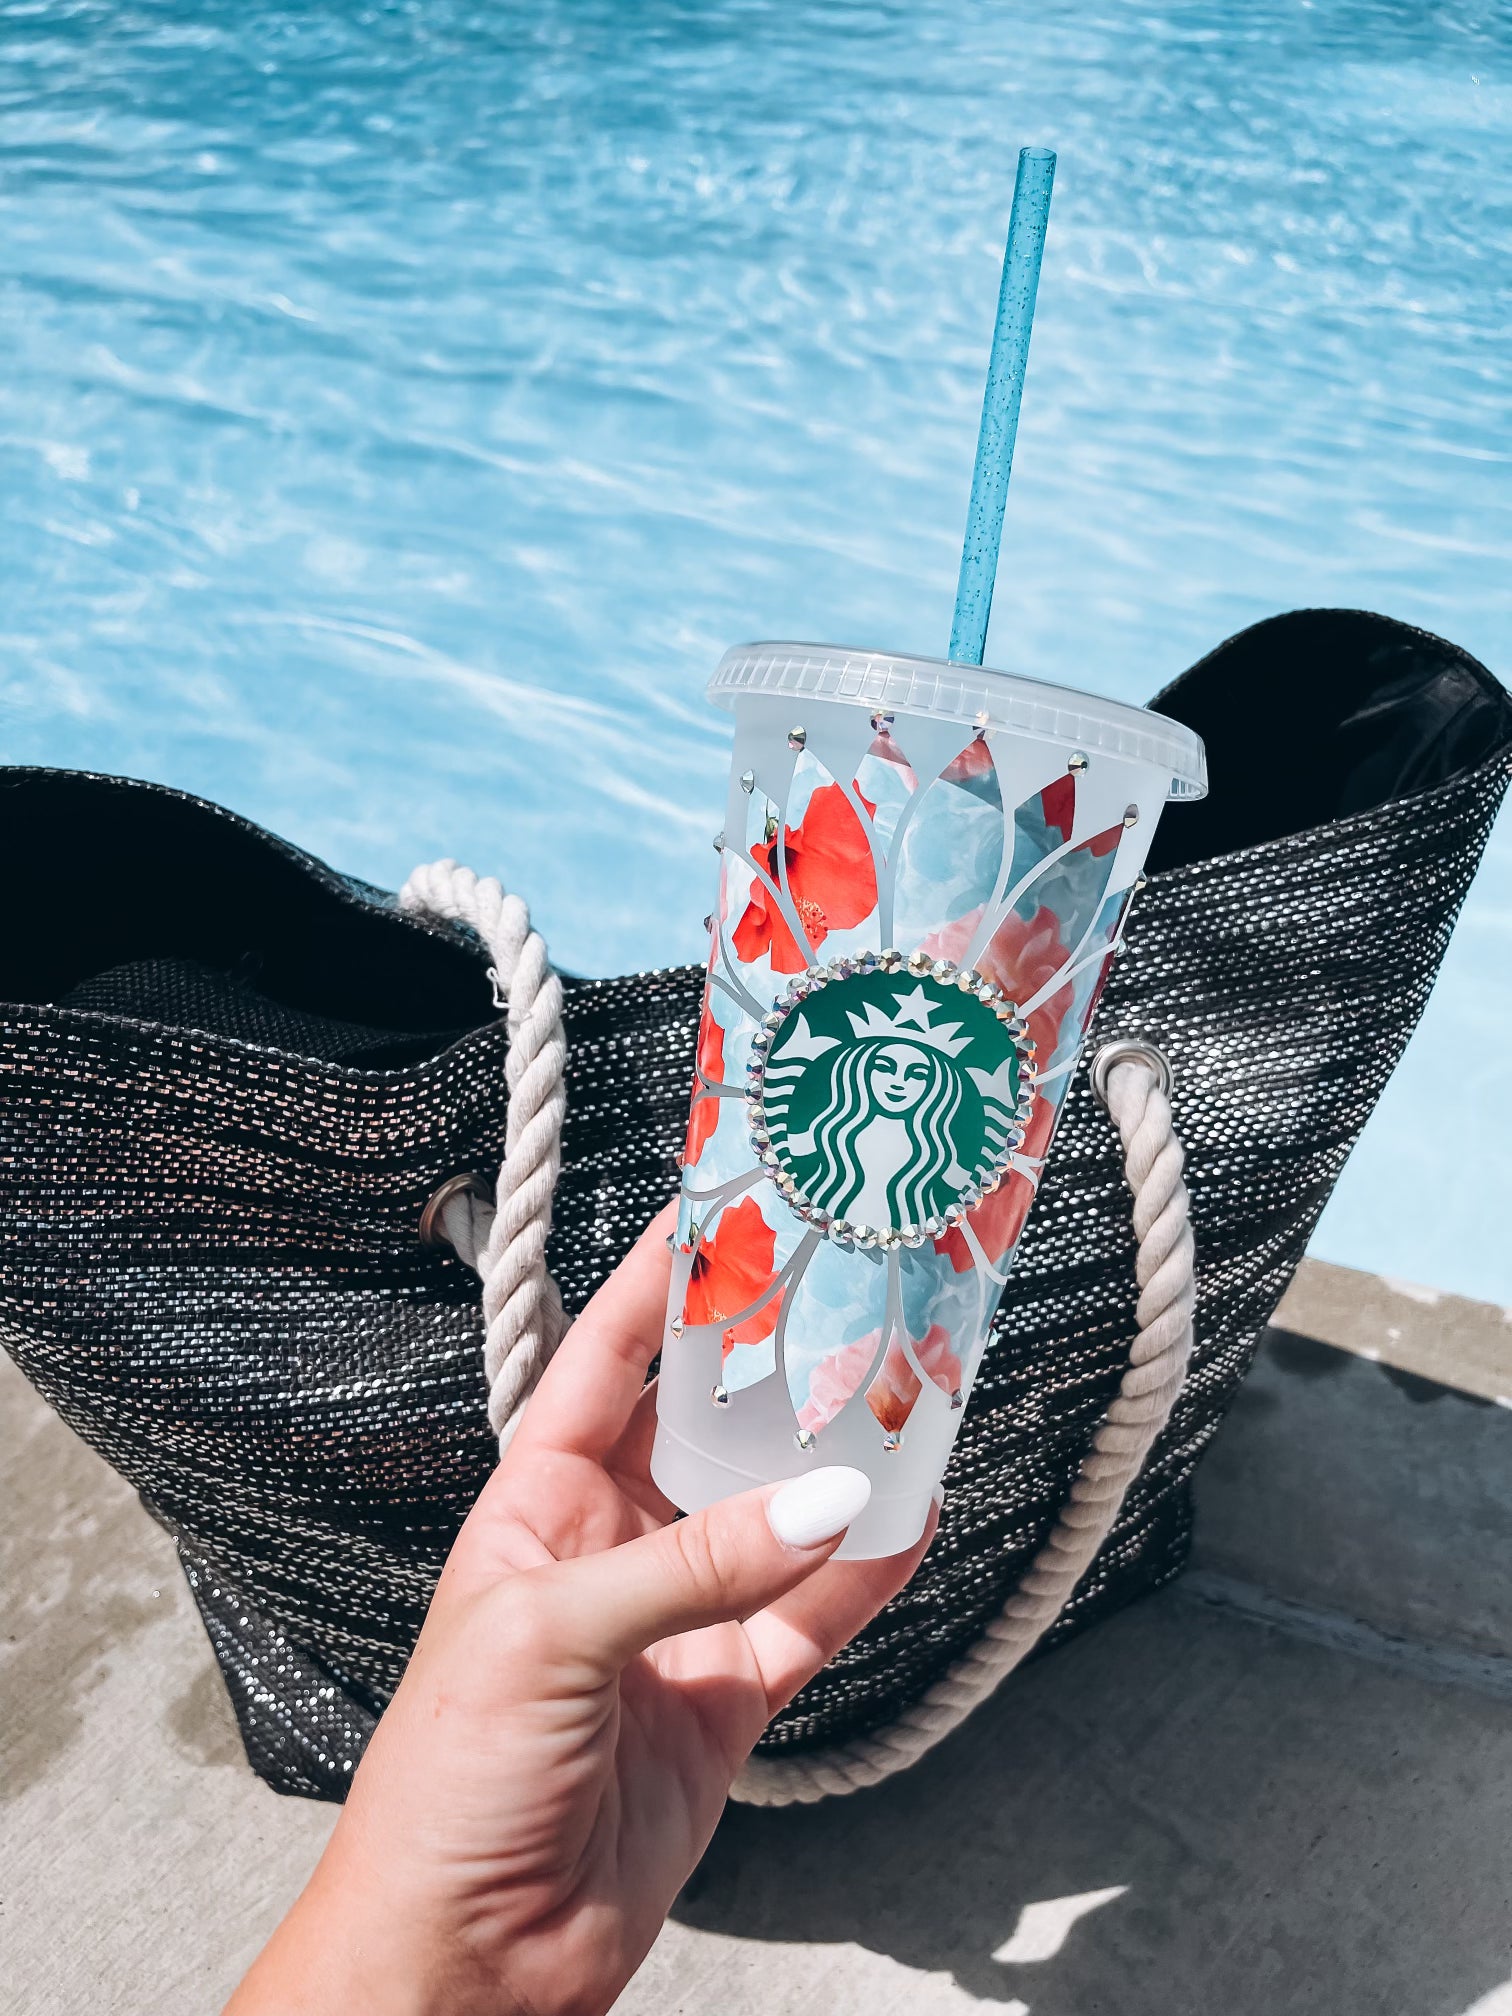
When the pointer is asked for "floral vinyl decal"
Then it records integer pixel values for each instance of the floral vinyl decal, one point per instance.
(824, 867)
(891, 1388)
(734, 1275)
(885, 780)
(886, 1099)
(949, 849)
(900, 980)
(891, 1395)
(708, 1072)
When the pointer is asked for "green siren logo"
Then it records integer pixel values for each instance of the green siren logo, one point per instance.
(888, 1096)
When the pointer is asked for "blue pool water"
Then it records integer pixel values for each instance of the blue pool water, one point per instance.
(405, 404)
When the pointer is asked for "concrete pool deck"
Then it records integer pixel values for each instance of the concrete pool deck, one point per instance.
(1283, 1783)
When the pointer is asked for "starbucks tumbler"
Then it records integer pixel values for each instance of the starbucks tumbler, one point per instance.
(924, 871)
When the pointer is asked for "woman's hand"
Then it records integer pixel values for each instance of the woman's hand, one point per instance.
(590, 1678)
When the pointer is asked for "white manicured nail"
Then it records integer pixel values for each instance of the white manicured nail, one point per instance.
(815, 1508)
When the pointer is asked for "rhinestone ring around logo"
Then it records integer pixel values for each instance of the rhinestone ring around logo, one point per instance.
(886, 1096)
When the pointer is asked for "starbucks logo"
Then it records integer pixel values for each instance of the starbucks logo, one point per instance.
(887, 1095)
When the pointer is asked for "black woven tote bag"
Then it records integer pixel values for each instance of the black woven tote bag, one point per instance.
(232, 1080)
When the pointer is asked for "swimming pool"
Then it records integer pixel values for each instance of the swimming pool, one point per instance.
(406, 404)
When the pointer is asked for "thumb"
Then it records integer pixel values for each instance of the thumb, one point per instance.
(723, 1563)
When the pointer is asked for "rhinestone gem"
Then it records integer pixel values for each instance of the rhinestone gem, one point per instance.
(797, 737)
(748, 781)
(719, 1395)
(1076, 762)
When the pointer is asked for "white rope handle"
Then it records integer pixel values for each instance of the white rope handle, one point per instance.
(1157, 1365)
(522, 1306)
(524, 1321)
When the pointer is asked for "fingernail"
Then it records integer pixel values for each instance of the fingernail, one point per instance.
(815, 1508)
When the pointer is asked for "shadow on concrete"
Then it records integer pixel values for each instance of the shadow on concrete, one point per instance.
(1184, 1812)
(1189, 1812)
(59, 1562)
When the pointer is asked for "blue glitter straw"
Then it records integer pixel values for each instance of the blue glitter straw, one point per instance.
(1000, 403)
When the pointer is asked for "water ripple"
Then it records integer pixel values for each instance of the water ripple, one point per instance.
(406, 403)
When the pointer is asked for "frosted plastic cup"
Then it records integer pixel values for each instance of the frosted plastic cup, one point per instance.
(925, 871)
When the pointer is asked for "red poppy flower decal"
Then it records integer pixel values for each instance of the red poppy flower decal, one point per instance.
(1109, 927)
(998, 1221)
(1058, 805)
(1024, 953)
(704, 1116)
(830, 878)
(733, 1267)
(892, 1393)
(835, 1379)
(973, 770)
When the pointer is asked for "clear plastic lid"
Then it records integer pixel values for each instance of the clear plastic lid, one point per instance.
(972, 694)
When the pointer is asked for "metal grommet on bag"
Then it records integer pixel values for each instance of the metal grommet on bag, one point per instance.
(433, 1233)
(1129, 1050)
